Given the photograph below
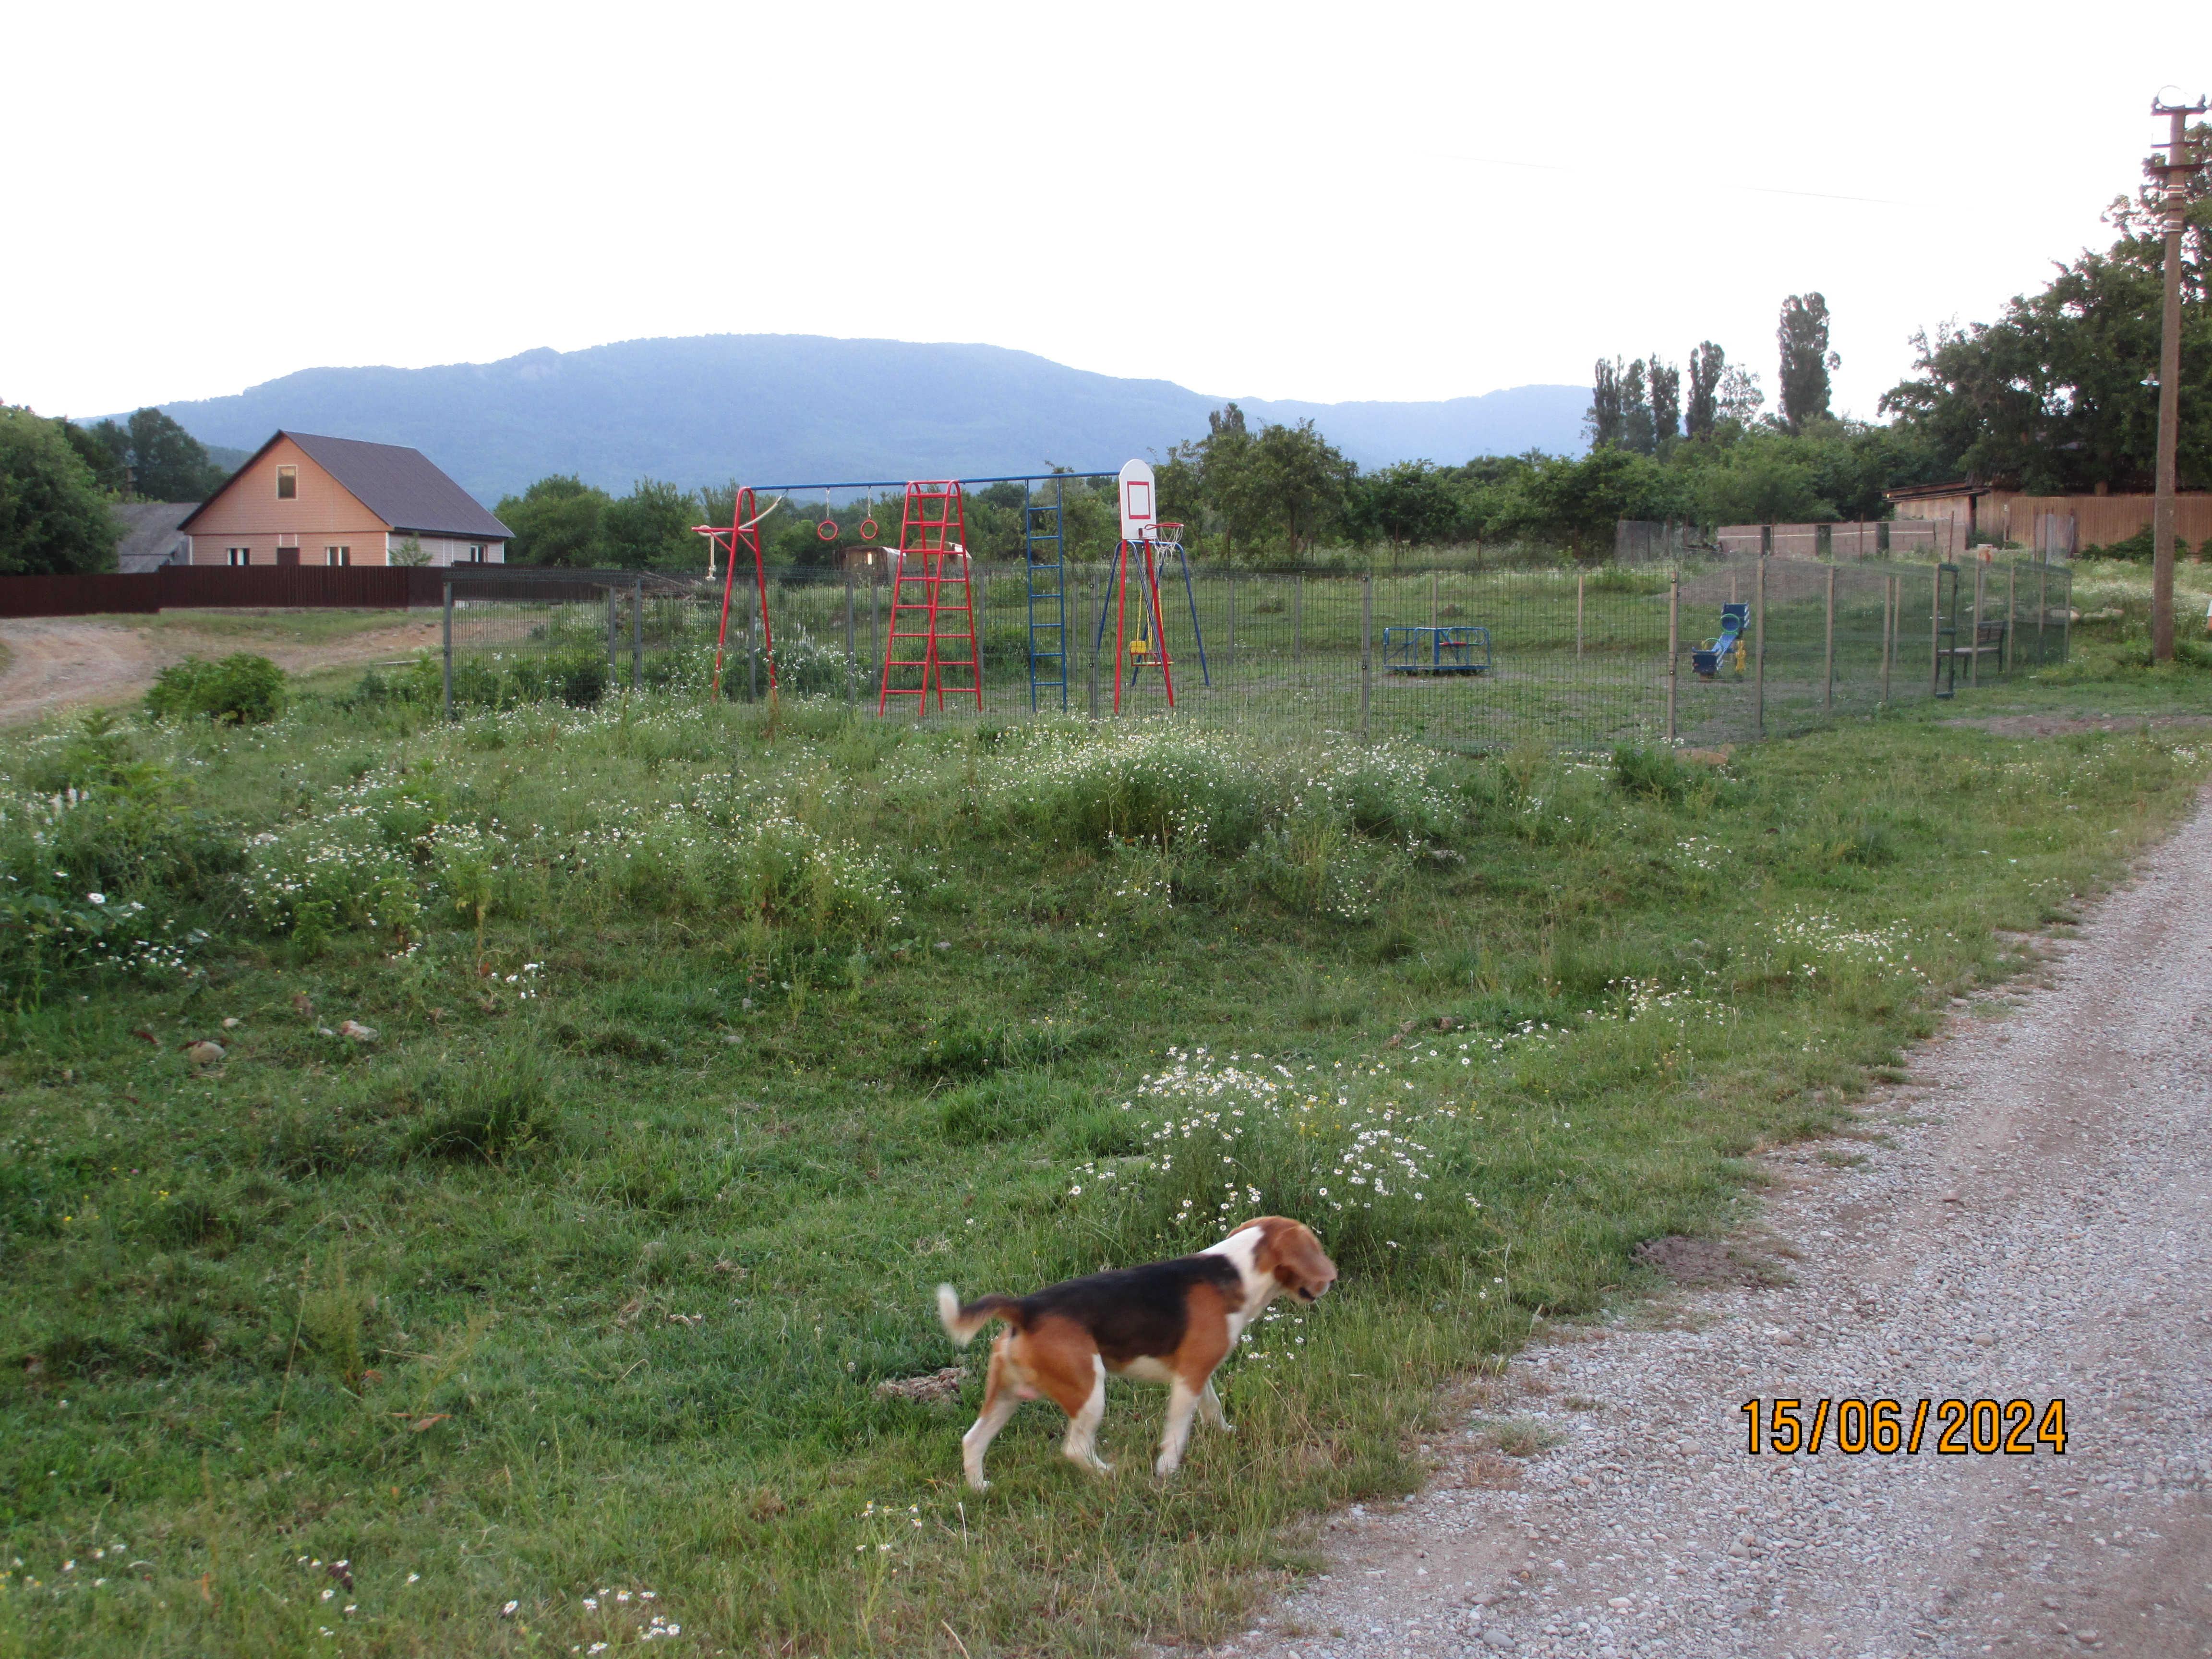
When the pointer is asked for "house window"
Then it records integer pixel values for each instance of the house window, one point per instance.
(288, 482)
(240, 555)
(338, 555)
(476, 553)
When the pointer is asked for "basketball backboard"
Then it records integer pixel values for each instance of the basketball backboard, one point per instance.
(1140, 510)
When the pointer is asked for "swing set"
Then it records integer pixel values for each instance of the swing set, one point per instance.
(932, 647)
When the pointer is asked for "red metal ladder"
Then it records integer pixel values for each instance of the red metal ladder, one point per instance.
(931, 608)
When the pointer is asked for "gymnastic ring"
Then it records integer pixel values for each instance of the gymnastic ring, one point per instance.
(868, 529)
(827, 530)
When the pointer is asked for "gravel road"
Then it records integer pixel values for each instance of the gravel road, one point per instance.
(2030, 1215)
(64, 662)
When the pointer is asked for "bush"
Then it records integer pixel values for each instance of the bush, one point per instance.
(242, 690)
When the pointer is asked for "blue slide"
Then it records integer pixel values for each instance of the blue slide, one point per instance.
(1734, 618)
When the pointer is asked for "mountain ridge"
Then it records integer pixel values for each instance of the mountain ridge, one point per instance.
(797, 408)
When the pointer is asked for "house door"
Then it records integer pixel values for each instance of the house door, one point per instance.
(288, 555)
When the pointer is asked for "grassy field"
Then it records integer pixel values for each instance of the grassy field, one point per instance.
(600, 1093)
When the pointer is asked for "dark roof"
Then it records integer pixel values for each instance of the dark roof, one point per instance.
(152, 533)
(401, 486)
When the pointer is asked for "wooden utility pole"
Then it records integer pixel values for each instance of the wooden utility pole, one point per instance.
(2173, 176)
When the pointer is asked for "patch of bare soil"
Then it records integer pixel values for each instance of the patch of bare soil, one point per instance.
(56, 663)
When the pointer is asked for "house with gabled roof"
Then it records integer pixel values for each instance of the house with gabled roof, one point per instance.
(303, 499)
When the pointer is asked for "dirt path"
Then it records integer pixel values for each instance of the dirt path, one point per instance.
(65, 662)
(2031, 1216)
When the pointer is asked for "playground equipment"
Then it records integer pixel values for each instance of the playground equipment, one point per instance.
(1458, 649)
(1706, 658)
(1149, 537)
(742, 531)
(929, 587)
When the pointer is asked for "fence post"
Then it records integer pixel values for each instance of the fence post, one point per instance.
(2066, 618)
(1673, 644)
(1828, 665)
(637, 635)
(1298, 623)
(1974, 636)
(875, 651)
(852, 657)
(2042, 603)
(753, 656)
(614, 633)
(1890, 590)
(2006, 659)
(1758, 645)
(1579, 579)
(1366, 650)
(449, 653)
(1935, 630)
(1436, 614)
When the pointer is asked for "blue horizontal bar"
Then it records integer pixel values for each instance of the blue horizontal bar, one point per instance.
(900, 483)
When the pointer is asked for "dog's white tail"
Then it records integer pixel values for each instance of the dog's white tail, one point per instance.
(962, 1321)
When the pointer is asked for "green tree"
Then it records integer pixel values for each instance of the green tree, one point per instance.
(1706, 364)
(1666, 405)
(1305, 478)
(1604, 421)
(650, 528)
(556, 521)
(104, 448)
(1574, 503)
(1638, 430)
(1408, 505)
(2060, 394)
(1802, 335)
(53, 516)
(167, 463)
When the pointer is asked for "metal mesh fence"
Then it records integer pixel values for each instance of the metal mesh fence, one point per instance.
(1466, 659)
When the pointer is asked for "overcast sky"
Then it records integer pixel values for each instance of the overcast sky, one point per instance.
(1288, 200)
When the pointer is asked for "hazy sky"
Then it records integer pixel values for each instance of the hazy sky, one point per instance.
(1289, 200)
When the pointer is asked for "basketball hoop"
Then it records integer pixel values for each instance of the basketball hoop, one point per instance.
(1167, 530)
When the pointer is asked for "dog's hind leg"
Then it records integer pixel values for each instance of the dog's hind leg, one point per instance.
(1081, 1446)
(1182, 1402)
(1209, 1408)
(1000, 1397)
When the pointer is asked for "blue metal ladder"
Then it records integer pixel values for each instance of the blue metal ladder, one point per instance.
(1044, 545)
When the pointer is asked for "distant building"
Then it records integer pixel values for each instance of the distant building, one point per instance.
(153, 534)
(2052, 524)
(308, 500)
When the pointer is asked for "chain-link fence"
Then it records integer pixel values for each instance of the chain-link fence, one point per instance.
(1467, 659)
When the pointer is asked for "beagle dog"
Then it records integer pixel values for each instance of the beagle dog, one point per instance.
(1170, 1321)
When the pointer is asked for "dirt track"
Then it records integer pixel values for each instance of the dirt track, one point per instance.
(66, 662)
(2031, 1216)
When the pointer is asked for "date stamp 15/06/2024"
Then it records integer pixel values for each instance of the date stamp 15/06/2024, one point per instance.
(1951, 1428)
